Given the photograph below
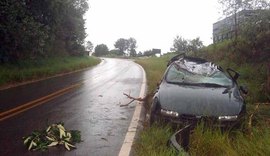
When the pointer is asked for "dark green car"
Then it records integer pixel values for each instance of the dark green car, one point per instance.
(193, 89)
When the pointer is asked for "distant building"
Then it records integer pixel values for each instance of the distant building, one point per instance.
(156, 51)
(226, 28)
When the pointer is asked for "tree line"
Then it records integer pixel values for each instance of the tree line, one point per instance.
(182, 45)
(128, 47)
(41, 28)
(122, 47)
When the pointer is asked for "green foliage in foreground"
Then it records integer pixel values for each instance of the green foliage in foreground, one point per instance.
(35, 69)
(55, 134)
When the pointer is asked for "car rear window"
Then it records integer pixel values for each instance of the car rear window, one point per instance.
(193, 73)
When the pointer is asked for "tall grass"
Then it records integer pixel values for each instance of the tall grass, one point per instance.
(206, 141)
(35, 69)
(153, 142)
(253, 71)
(154, 68)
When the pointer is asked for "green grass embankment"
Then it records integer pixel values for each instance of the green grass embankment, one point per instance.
(28, 70)
(205, 141)
(154, 68)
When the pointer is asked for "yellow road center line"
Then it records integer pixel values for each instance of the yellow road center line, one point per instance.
(22, 108)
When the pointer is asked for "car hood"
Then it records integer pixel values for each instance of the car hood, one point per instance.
(200, 101)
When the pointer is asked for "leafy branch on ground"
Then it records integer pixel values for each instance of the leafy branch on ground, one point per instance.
(55, 134)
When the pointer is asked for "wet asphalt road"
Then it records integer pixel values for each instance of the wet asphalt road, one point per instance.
(93, 108)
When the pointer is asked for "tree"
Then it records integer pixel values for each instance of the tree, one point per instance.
(41, 28)
(232, 7)
(71, 28)
(195, 44)
(133, 53)
(122, 44)
(115, 52)
(253, 29)
(89, 46)
(129, 45)
(132, 43)
(21, 34)
(132, 46)
(140, 54)
(180, 45)
(256, 31)
(101, 50)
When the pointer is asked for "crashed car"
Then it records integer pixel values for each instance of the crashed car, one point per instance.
(193, 89)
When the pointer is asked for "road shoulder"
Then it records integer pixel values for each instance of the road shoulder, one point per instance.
(136, 121)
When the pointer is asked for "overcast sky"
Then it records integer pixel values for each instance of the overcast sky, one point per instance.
(153, 23)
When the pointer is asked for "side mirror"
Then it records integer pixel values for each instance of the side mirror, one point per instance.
(233, 74)
(244, 89)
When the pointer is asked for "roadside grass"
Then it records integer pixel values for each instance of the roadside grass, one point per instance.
(154, 68)
(153, 141)
(205, 141)
(36, 69)
(253, 73)
(209, 142)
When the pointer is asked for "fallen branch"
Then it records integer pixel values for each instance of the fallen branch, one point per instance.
(134, 99)
(127, 103)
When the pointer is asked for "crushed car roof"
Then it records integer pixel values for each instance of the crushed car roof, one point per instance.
(195, 66)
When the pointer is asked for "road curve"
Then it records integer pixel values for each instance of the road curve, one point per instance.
(93, 108)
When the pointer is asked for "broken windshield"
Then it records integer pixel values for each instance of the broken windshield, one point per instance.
(193, 73)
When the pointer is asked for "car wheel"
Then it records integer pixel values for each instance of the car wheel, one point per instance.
(154, 112)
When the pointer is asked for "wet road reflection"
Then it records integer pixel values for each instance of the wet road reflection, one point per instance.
(94, 109)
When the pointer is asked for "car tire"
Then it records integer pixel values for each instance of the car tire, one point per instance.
(154, 112)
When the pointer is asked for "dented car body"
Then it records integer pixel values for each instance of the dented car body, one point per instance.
(193, 89)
